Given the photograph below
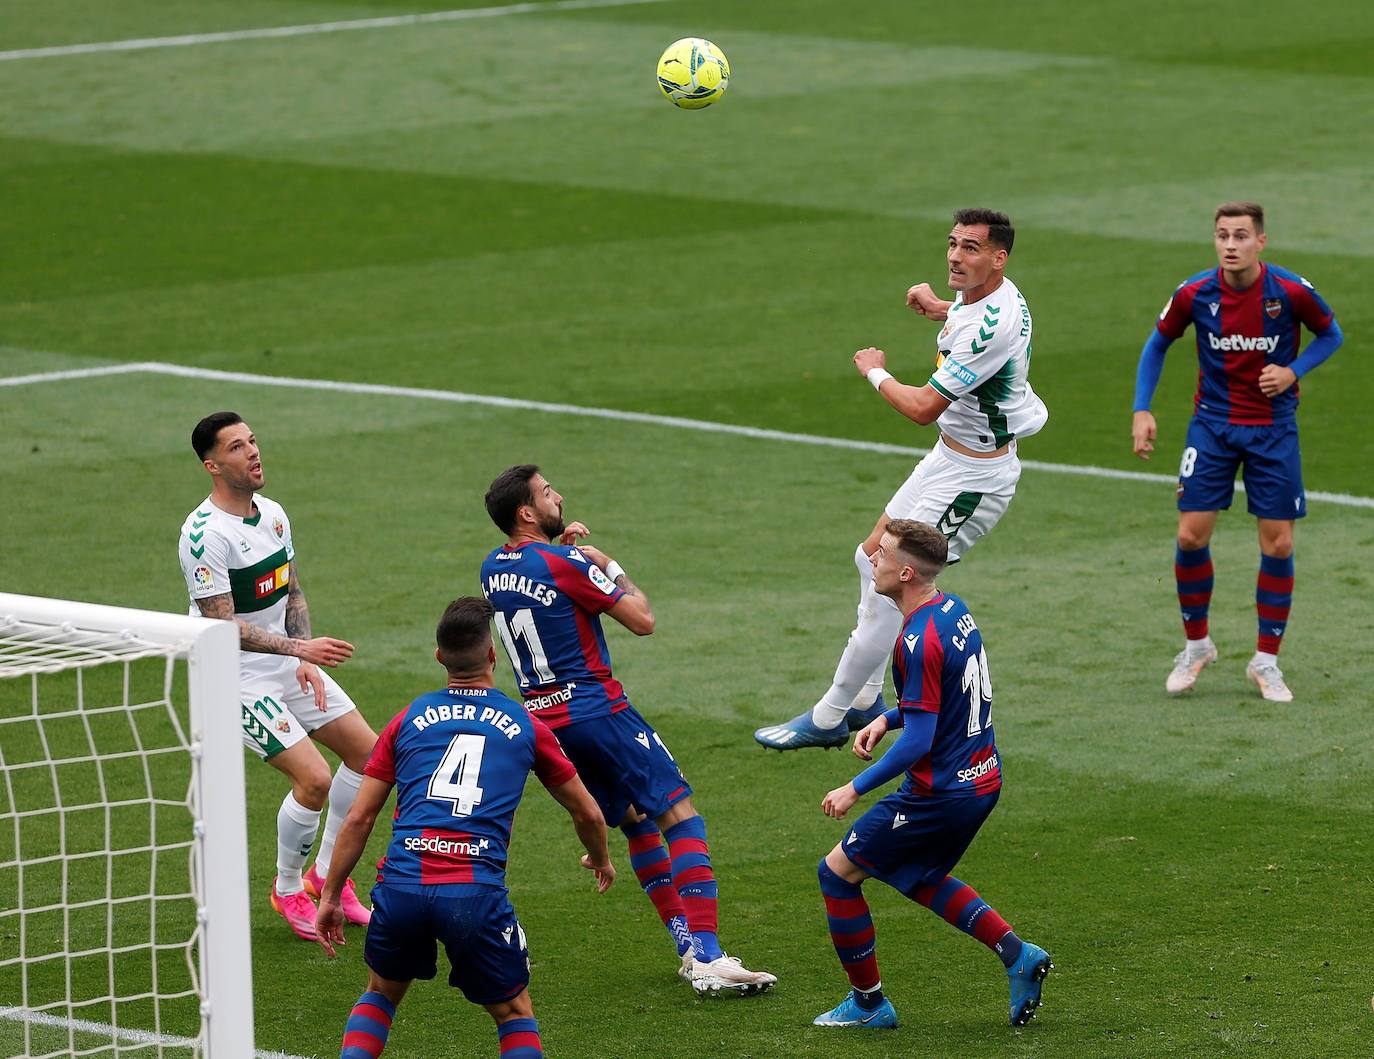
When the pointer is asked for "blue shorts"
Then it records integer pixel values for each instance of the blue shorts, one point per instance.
(909, 841)
(485, 943)
(1272, 469)
(623, 762)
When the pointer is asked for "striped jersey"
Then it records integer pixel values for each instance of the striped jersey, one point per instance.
(982, 366)
(246, 558)
(1238, 333)
(549, 599)
(939, 666)
(458, 758)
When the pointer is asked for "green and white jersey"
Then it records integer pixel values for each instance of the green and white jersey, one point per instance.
(982, 366)
(246, 558)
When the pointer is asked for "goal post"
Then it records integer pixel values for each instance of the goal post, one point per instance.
(124, 918)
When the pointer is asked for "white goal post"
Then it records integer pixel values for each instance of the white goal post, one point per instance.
(124, 925)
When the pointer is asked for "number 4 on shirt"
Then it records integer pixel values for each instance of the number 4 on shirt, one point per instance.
(455, 780)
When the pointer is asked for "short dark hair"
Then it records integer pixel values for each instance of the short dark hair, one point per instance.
(464, 635)
(1000, 231)
(922, 543)
(1253, 210)
(509, 493)
(206, 432)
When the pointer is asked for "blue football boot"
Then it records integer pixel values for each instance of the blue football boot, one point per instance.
(1027, 977)
(858, 719)
(800, 732)
(848, 1013)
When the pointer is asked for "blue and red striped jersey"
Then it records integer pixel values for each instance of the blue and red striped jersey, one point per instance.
(1238, 333)
(549, 599)
(939, 666)
(458, 758)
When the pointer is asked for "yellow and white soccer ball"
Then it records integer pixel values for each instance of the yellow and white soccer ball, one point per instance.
(693, 73)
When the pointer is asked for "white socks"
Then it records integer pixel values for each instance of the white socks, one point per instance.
(296, 827)
(860, 671)
(341, 794)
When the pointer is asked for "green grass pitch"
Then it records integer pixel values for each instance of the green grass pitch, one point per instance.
(506, 206)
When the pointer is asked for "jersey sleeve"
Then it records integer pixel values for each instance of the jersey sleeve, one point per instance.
(581, 580)
(924, 670)
(977, 352)
(204, 562)
(381, 764)
(1310, 307)
(1177, 313)
(551, 765)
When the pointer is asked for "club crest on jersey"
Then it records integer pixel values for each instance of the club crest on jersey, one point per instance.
(1272, 307)
(203, 577)
(1214, 306)
(279, 528)
(600, 580)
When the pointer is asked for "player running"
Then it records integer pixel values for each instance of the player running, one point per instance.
(458, 758)
(239, 564)
(913, 838)
(982, 400)
(1248, 317)
(549, 598)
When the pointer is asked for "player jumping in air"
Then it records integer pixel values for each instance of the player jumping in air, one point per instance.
(240, 565)
(981, 398)
(1248, 317)
(549, 598)
(458, 758)
(953, 774)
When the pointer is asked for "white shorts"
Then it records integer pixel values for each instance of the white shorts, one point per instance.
(277, 714)
(961, 496)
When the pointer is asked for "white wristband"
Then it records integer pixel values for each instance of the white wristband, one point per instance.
(614, 570)
(877, 376)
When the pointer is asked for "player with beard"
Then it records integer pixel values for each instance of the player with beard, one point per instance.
(239, 562)
(549, 594)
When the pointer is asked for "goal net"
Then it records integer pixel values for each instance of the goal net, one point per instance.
(123, 853)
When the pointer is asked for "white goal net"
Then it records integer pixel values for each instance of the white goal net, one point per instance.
(123, 859)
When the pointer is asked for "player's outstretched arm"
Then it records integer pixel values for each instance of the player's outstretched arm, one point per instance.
(632, 610)
(321, 650)
(921, 404)
(590, 827)
(348, 849)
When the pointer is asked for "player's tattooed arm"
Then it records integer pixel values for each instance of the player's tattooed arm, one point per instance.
(297, 612)
(251, 638)
(321, 650)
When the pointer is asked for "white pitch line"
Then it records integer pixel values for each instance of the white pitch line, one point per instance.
(384, 22)
(117, 1033)
(675, 422)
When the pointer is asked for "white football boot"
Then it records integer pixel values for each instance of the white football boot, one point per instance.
(1269, 679)
(1188, 663)
(726, 974)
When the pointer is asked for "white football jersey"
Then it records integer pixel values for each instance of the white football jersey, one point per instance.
(248, 559)
(982, 366)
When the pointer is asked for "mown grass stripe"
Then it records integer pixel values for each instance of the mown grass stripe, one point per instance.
(267, 32)
(676, 422)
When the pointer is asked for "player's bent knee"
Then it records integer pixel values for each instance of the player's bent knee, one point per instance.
(517, 1007)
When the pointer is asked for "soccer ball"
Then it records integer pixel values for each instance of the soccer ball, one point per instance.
(693, 73)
